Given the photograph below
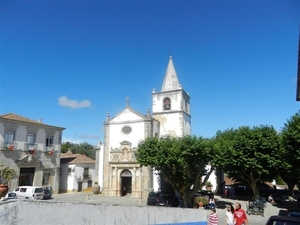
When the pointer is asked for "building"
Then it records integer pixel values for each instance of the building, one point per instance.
(77, 173)
(32, 148)
(121, 174)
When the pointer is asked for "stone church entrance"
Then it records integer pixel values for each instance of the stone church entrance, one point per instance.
(126, 182)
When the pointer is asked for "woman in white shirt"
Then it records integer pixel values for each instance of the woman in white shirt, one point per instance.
(229, 215)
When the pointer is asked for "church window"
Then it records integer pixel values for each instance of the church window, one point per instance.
(126, 130)
(167, 103)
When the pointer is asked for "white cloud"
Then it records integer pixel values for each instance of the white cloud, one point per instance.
(73, 104)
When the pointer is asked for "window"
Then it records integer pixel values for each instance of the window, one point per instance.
(86, 172)
(167, 104)
(9, 137)
(126, 129)
(69, 171)
(38, 190)
(49, 140)
(30, 141)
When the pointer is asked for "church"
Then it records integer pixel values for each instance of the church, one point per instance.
(119, 173)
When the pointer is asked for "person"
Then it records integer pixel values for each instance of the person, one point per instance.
(229, 215)
(270, 199)
(240, 217)
(213, 217)
(211, 203)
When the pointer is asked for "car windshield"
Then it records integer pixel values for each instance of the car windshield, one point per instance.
(38, 190)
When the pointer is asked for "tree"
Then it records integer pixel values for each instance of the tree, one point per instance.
(83, 148)
(180, 161)
(65, 146)
(250, 154)
(290, 139)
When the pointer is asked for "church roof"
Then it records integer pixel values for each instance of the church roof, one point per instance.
(133, 115)
(171, 81)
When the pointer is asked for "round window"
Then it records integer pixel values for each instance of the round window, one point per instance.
(126, 129)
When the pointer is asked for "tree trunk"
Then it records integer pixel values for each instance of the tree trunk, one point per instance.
(291, 189)
(187, 199)
(254, 189)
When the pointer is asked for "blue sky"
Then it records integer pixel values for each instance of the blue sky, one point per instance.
(72, 62)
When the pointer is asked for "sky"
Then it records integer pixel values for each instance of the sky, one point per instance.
(72, 62)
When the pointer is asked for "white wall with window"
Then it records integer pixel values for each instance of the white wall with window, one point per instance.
(22, 142)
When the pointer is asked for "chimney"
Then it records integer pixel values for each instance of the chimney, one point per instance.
(40, 120)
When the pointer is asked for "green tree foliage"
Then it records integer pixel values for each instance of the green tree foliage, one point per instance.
(180, 161)
(290, 139)
(248, 154)
(83, 148)
(65, 146)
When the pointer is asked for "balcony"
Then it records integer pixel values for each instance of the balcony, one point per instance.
(8, 146)
(16, 145)
(28, 147)
(49, 147)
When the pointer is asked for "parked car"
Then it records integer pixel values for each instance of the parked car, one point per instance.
(283, 220)
(294, 215)
(169, 200)
(152, 197)
(30, 192)
(209, 194)
(47, 194)
(49, 188)
(10, 195)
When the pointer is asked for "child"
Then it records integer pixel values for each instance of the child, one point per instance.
(213, 218)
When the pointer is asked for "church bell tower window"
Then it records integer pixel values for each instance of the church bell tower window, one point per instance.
(167, 103)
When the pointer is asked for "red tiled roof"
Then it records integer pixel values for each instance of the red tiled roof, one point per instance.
(12, 116)
(77, 158)
(15, 117)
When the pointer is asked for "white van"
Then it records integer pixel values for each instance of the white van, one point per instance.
(30, 192)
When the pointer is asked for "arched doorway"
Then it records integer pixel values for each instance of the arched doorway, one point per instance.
(126, 178)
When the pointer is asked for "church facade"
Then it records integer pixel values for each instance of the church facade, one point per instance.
(119, 172)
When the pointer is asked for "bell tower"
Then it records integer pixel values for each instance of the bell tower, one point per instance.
(171, 106)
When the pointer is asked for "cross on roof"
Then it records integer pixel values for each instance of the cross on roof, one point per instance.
(127, 101)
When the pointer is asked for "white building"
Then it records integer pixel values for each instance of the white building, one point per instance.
(32, 148)
(119, 173)
(77, 173)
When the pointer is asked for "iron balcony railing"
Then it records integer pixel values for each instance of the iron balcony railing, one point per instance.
(8, 145)
(30, 146)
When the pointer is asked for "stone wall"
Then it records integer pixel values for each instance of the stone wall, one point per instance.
(44, 212)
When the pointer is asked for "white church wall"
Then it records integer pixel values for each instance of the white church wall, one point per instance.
(176, 101)
(186, 125)
(212, 178)
(117, 136)
(169, 124)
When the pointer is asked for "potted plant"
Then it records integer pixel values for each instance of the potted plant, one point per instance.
(201, 201)
(96, 188)
(6, 174)
(208, 185)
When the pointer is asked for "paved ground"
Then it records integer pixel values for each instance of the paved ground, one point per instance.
(84, 197)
